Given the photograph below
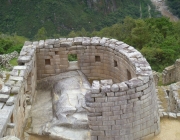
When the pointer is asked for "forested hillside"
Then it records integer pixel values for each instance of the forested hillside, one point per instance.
(174, 6)
(59, 17)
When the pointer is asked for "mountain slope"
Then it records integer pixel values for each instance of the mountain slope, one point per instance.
(174, 6)
(62, 16)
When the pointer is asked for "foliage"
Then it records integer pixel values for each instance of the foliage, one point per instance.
(11, 43)
(72, 57)
(59, 17)
(13, 62)
(174, 6)
(41, 34)
(157, 39)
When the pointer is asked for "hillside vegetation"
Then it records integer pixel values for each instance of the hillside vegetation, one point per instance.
(174, 6)
(10, 43)
(59, 17)
(157, 39)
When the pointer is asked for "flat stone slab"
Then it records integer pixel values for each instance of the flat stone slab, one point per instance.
(172, 115)
(5, 90)
(20, 67)
(4, 118)
(16, 78)
(3, 97)
(24, 59)
(10, 101)
(9, 138)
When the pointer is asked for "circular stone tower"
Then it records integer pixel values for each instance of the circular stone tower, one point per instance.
(123, 108)
(127, 109)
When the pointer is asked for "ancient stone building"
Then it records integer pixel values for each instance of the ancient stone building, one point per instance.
(124, 107)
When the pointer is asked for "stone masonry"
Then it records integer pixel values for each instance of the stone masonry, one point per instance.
(171, 73)
(124, 108)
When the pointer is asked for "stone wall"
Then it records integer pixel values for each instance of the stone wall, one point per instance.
(171, 73)
(124, 110)
(95, 58)
(17, 93)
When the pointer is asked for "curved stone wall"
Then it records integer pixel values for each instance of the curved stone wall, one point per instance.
(88, 51)
(126, 109)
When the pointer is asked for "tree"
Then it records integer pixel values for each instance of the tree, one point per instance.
(140, 34)
(41, 34)
(72, 34)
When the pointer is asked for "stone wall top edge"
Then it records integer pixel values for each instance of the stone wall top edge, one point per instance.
(136, 59)
(109, 86)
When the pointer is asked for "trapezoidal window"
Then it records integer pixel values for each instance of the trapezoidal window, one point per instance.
(72, 57)
(56, 52)
(47, 62)
(128, 75)
(115, 63)
(97, 58)
(73, 62)
(170, 75)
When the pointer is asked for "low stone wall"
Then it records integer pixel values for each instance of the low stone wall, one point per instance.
(125, 110)
(156, 77)
(173, 107)
(17, 93)
(171, 73)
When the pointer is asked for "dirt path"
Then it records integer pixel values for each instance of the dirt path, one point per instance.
(160, 5)
(169, 130)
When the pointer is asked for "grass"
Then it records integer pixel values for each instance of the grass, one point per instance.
(13, 62)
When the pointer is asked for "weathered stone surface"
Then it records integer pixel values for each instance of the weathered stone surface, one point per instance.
(16, 78)
(26, 43)
(95, 41)
(9, 138)
(123, 86)
(78, 40)
(86, 41)
(114, 88)
(106, 82)
(4, 97)
(4, 117)
(103, 41)
(70, 117)
(41, 44)
(5, 90)
(10, 101)
(66, 44)
(49, 41)
(95, 87)
(134, 83)
(24, 59)
(105, 88)
(172, 115)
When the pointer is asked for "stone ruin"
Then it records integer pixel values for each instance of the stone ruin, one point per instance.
(5, 59)
(124, 107)
(171, 73)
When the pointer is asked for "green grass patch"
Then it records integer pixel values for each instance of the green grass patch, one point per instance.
(13, 62)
